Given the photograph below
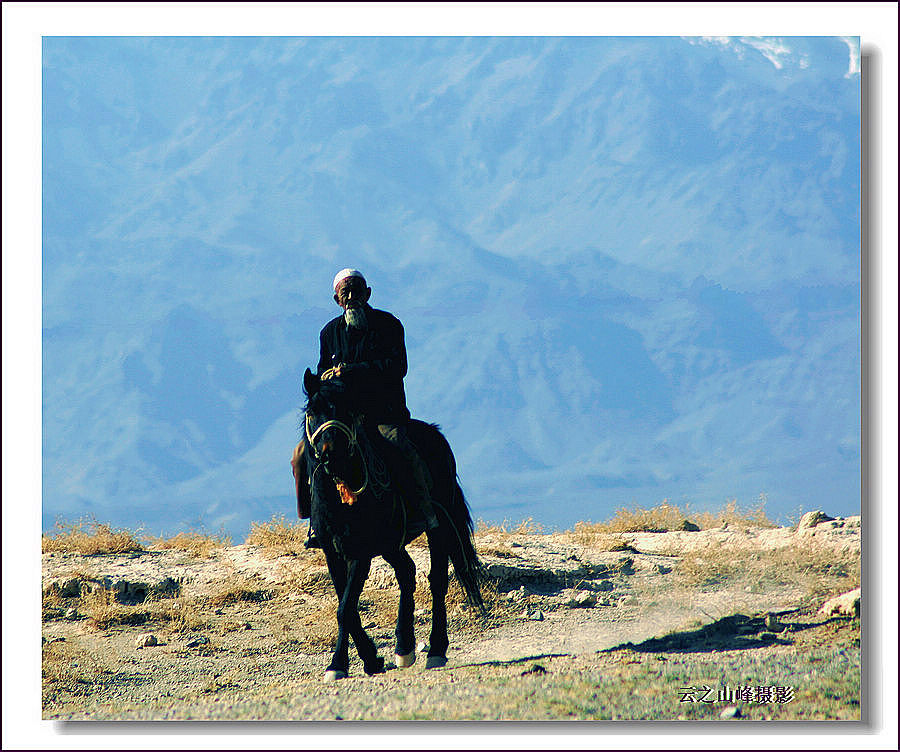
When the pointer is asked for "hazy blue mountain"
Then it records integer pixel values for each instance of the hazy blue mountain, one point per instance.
(629, 269)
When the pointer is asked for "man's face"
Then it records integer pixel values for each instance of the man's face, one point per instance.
(352, 293)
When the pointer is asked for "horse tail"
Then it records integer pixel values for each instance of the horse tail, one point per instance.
(456, 536)
(466, 565)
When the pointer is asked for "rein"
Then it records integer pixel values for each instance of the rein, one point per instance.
(351, 437)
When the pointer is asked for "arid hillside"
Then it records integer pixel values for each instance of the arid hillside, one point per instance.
(653, 615)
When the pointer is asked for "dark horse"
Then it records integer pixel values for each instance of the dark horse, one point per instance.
(357, 515)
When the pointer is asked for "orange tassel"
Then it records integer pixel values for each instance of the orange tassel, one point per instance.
(347, 496)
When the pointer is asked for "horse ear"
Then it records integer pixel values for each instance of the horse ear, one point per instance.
(311, 383)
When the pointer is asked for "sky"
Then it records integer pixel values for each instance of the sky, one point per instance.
(693, 359)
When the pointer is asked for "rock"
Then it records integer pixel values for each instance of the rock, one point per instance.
(689, 527)
(146, 640)
(772, 623)
(843, 605)
(536, 616)
(604, 586)
(730, 712)
(662, 569)
(516, 595)
(70, 588)
(196, 642)
(578, 599)
(811, 519)
(71, 613)
(422, 647)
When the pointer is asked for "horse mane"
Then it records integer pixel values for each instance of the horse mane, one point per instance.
(330, 395)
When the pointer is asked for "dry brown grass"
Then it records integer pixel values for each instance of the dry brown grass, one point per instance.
(89, 537)
(525, 527)
(279, 537)
(104, 612)
(68, 669)
(815, 571)
(732, 514)
(238, 589)
(669, 517)
(198, 545)
(595, 536)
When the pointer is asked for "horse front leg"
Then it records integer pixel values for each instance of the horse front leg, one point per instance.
(405, 570)
(439, 581)
(349, 624)
(340, 660)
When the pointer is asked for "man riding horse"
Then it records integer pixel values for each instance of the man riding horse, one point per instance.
(365, 348)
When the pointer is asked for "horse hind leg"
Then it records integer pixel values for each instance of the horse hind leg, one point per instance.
(438, 581)
(405, 570)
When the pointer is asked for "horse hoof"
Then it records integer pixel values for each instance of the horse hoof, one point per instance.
(405, 661)
(376, 667)
(333, 676)
(435, 661)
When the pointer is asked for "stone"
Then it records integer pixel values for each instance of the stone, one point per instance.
(578, 599)
(730, 712)
(662, 569)
(604, 586)
(690, 527)
(146, 640)
(71, 613)
(843, 605)
(811, 519)
(772, 623)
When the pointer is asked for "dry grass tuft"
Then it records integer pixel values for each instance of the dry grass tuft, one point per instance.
(178, 614)
(596, 536)
(89, 538)
(525, 527)
(669, 517)
(68, 670)
(816, 572)
(238, 589)
(732, 514)
(279, 537)
(199, 545)
(103, 611)
(660, 519)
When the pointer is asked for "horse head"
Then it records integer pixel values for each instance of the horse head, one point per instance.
(333, 427)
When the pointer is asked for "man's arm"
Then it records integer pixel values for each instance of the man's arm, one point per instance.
(325, 359)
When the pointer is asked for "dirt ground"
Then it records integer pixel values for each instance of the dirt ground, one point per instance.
(669, 626)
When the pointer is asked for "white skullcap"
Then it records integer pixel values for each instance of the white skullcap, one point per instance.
(343, 274)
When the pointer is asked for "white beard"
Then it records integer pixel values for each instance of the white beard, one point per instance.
(356, 318)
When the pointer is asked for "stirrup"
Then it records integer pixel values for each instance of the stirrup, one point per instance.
(311, 540)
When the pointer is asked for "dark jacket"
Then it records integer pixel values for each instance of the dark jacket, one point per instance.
(375, 360)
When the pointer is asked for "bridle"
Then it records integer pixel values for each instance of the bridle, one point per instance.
(350, 433)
